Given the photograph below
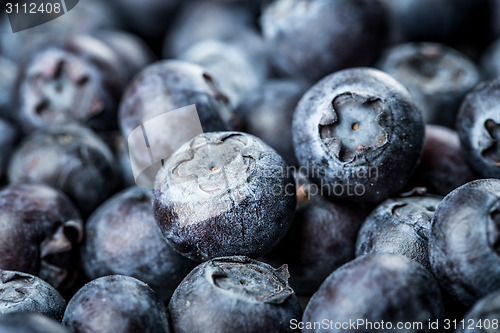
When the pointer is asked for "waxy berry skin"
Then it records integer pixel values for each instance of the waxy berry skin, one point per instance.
(267, 113)
(40, 233)
(76, 80)
(437, 76)
(478, 126)
(234, 294)
(377, 287)
(359, 134)
(464, 241)
(312, 38)
(70, 158)
(168, 85)
(240, 65)
(8, 139)
(28, 322)
(490, 60)
(122, 237)
(116, 303)
(399, 226)
(24, 292)
(199, 21)
(322, 237)
(224, 193)
(443, 166)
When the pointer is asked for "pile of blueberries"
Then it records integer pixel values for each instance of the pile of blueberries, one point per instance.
(347, 177)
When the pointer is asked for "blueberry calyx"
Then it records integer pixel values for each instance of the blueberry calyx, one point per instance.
(58, 245)
(250, 280)
(492, 151)
(209, 163)
(353, 126)
(493, 229)
(64, 87)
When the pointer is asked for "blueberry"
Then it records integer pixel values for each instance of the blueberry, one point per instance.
(310, 39)
(234, 294)
(358, 134)
(399, 226)
(149, 19)
(478, 126)
(116, 303)
(25, 322)
(322, 237)
(240, 65)
(40, 234)
(24, 292)
(133, 52)
(437, 76)
(8, 139)
(490, 61)
(224, 193)
(176, 84)
(75, 80)
(8, 74)
(203, 20)
(483, 316)
(464, 241)
(70, 158)
(117, 143)
(122, 237)
(430, 20)
(443, 167)
(267, 113)
(376, 288)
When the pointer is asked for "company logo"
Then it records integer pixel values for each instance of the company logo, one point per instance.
(26, 14)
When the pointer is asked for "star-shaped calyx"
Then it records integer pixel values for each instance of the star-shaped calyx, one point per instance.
(63, 90)
(493, 150)
(351, 126)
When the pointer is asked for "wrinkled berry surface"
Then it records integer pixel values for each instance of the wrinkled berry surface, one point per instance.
(224, 193)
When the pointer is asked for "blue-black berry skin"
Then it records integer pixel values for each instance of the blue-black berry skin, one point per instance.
(322, 237)
(116, 303)
(29, 322)
(437, 76)
(71, 158)
(443, 166)
(310, 39)
(24, 292)
(177, 84)
(122, 237)
(234, 294)
(490, 60)
(199, 21)
(8, 139)
(464, 241)
(76, 80)
(399, 226)
(478, 126)
(224, 193)
(377, 287)
(268, 112)
(359, 134)
(41, 233)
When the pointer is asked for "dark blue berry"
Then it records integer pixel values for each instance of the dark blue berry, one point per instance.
(224, 193)
(234, 294)
(122, 237)
(116, 303)
(358, 134)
